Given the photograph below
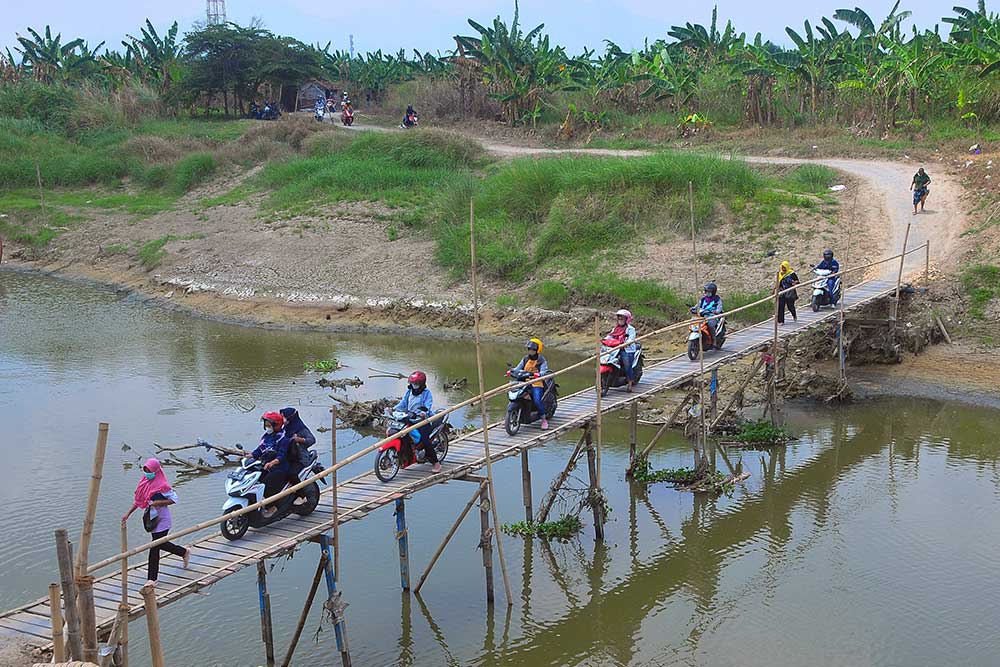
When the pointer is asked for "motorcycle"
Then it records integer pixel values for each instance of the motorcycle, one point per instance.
(521, 408)
(245, 487)
(612, 374)
(701, 332)
(347, 117)
(270, 112)
(409, 121)
(320, 113)
(821, 290)
(393, 456)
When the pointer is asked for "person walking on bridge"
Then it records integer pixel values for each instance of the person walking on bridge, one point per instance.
(155, 495)
(786, 280)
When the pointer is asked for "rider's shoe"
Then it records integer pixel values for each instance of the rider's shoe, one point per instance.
(545, 424)
(436, 467)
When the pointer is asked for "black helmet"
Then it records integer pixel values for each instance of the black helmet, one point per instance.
(711, 288)
(828, 254)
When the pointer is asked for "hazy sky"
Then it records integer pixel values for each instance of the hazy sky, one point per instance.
(386, 24)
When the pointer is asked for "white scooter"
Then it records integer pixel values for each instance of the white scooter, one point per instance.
(244, 487)
(821, 290)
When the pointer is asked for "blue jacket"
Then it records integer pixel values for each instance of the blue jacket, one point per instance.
(423, 402)
(273, 446)
(710, 305)
(833, 265)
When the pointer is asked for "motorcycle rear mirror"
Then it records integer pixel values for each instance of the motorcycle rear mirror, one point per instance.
(239, 446)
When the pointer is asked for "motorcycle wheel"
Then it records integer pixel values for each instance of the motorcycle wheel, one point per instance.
(235, 528)
(441, 448)
(552, 408)
(312, 500)
(693, 350)
(387, 465)
(512, 424)
(815, 304)
(719, 342)
(605, 383)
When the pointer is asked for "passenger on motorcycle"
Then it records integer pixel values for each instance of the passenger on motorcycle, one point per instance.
(418, 399)
(534, 362)
(273, 451)
(299, 437)
(711, 304)
(832, 265)
(624, 333)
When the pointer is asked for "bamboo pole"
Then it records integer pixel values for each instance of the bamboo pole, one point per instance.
(504, 388)
(598, 420)
(927, 261)
(333, 491)
(482, 403)
(124, 605)
(841, 352)
(64, 554)
(305, 609)
(894, 311)
(41, 191)
(772, 398)
(633, 418)
(403, 542)
(550, 496)
(526, 486)
(447, 538)
(739, 390)
(55, 605)
(694, 243)
(266, 626)
(153, 625)
(595, 491)
(701, 396)
(486, 541)
(92, 495)
(88, 617)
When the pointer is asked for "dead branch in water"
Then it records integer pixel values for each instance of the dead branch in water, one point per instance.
(385, 374)
(223, 451)
(361, 413)
(342, 383)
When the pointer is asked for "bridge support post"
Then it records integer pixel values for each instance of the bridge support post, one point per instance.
(334, 605)
(526, 486)
(264, 598)
(486, 540)
(403, 542)
(595, 493)
(713, 389)
(633, 424)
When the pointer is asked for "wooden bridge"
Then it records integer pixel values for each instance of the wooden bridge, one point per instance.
(214, 558)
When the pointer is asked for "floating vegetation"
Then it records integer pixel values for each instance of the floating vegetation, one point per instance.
(562, 529)
(762, 432)
(322, 365)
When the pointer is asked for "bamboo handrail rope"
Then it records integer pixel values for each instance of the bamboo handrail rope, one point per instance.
(471, 401)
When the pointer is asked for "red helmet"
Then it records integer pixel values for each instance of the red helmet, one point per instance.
(275, 418)
(418, 378)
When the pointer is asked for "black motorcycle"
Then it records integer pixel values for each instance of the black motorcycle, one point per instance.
(521, 409)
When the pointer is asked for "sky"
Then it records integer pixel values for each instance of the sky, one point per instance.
(389, 25)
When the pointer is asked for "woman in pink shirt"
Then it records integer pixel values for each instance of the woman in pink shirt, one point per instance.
(153, 493)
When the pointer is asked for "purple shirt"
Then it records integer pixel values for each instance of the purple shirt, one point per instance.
(165, 520)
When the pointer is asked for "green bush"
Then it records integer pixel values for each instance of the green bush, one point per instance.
(152, 252)
(49, 105)
(191, 171)
(552, 294)
(982, 282)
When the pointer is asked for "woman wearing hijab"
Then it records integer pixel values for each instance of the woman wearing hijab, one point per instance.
(154, 494)
(786, 279)
(299, 438)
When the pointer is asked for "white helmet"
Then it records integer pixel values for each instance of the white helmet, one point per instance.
(627, 314)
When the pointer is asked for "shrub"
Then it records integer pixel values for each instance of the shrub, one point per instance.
(192, 171)
(553, 294)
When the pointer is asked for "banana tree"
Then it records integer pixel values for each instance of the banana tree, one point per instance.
(816, 57)
(708, 43)
(157, 57)
(47, 58)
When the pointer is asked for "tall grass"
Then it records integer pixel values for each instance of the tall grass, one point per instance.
(530, 210)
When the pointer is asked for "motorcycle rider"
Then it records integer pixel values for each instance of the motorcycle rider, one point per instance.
(273, 451)
(535, 363)
(418, 399)
(832, 265)
(299, 437)
(624, 333)
(711, 304)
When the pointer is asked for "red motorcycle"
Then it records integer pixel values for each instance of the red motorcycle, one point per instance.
(612, 374)
(400, 452)
(347, 116)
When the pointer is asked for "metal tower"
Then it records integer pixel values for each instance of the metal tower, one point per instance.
(216, 11)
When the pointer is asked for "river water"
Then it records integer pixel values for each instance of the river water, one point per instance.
(873, 539)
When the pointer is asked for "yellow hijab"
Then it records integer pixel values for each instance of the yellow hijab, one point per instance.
(785, 269)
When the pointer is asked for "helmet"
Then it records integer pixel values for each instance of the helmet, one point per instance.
(627, 314)
(417, 378)
(828, 254)
(711, 288)
(535, 345)
(275, 418)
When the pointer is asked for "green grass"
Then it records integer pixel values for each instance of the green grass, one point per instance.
(152, 252)
(116, 249)
(401, 170)
(191, 171)
(552, 293)
(506, 301)
(217, 130)
(982, 283)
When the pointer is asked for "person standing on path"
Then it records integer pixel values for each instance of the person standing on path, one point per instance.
(920, 190)
(155, 495)
(787, 279)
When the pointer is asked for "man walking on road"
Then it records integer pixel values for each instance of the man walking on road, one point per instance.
(920, 190)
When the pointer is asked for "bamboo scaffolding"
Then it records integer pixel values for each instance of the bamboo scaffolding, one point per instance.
(742, 387)
(550, 497)
(58, 648)
(153, 625)
(92, 495)
(464, 404)
(333, 491)
(598, 421)
(64, 554)
(482, 403)
(447, 538)
(305, 609)
(266, 625)
(633, 418)
(88, 617)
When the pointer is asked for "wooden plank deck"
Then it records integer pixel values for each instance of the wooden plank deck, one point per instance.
(214, 558)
